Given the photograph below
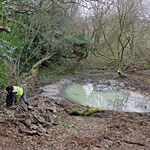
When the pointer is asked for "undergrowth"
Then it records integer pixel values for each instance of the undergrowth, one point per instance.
(50, 73)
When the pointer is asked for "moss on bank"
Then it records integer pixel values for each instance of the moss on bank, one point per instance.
(87, 112)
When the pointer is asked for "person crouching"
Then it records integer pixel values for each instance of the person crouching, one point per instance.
(13, 94)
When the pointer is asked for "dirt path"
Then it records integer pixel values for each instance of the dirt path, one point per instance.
(49, 127)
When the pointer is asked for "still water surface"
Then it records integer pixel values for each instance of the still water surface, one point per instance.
(107, 97)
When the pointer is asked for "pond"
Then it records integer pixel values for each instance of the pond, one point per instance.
(106, 97)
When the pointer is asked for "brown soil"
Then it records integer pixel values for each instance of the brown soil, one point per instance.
(48, 126)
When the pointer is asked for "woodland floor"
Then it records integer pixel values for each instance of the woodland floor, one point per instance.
(48, 126)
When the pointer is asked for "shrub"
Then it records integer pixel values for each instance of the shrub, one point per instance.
(3, 75)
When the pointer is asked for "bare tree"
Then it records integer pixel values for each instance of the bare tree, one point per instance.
(115, 23)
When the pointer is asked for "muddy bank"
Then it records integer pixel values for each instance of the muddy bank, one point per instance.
(49, 126)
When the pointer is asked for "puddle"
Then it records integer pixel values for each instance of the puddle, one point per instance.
(107, 97)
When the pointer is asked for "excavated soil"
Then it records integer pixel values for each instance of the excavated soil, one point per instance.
(49, 126)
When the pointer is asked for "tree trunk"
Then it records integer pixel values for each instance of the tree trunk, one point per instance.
(34, 68)
(120, 73)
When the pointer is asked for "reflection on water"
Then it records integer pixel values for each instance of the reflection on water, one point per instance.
(107, 97)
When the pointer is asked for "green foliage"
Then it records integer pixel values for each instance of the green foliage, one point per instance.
(145, 65)
(3, 75)
(75, 47)
(77, 39)
(40, 34)
(11, 43)
(37, 38)
(49, 73)
(6, 10)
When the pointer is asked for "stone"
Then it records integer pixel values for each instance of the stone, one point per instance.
(34, 127)
(28, 123)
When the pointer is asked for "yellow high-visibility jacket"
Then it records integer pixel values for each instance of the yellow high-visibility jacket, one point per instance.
(19, 91)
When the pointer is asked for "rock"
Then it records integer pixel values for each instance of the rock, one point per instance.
(41, 107)
(10, 113)
(122, 84)
(28, 123)
(54, 116)
(52, 109)
(41, 129)
(39, 118)
(30, 108)
(54, 123)
(32, 132)
(20, 115)
(96, 148)
(34, 127)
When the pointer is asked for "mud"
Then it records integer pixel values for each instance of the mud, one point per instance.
(48, 125)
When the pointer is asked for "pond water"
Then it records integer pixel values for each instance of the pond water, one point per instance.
(107, 97)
